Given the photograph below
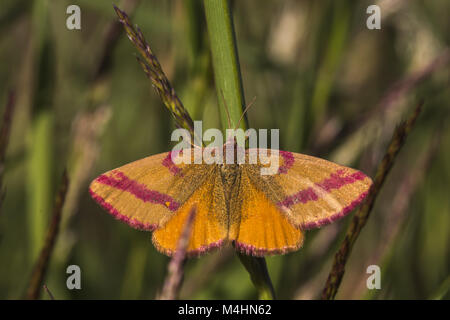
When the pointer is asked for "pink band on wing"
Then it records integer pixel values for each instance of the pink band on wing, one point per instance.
(113, 211)
(288, 161)
(338, 180)
(337, 216)
(168, 163)
(137, 189)
(335, 181)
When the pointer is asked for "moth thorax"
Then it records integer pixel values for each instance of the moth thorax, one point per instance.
(229, 173)
(233, 153)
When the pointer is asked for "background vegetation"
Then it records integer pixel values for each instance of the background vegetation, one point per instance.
(334, 88)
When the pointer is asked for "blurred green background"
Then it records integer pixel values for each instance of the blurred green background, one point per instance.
(334, 88)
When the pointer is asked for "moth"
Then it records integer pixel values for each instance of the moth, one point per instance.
(261, 214)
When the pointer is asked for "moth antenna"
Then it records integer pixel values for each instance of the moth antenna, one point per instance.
(192, 143)
(226, 109)
(245, 110)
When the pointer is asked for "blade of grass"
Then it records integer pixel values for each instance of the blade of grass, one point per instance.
(442, 290)
(40, 142)
(360, 218)
(329, 66)
(135, 265)
(229, 83)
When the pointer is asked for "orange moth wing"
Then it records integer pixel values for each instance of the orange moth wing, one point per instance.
(210, 225)
(144, 193)
(313, 192)
(153, 193)
(263, 228)
(263, 214)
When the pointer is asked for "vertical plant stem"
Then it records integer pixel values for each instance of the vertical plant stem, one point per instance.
(228, 82)
(257, 268)
(227, 73)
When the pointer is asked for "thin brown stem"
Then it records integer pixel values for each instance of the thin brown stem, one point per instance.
(46, 289)
(155, 73)
(4, 137)
(6, 126)
(40, 268)
(399, 210)
(360, 218)
(174, 277)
